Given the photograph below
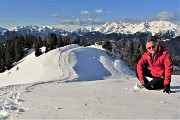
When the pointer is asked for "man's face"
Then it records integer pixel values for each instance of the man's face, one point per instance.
(151, 47)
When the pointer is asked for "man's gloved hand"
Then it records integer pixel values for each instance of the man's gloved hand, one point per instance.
(167, 89)
(142, 82)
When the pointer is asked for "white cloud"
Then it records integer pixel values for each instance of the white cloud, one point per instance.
(168, 16)
(92, 19)
(67, 22)
(85, 12)
(164, 15)
(55, 15)
(80, 21)
(99, 11)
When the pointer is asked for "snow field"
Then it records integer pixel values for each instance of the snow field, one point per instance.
(76, 82)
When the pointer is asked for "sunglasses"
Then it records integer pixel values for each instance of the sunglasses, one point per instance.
(149, 48)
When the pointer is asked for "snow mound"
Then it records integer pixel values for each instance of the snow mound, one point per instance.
(71, 62)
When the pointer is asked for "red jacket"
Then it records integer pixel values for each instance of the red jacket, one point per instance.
(161, 66)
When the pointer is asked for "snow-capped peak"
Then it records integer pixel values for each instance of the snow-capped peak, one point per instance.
(129, 28)
(2, 29)
(37, 30)
(84, 29)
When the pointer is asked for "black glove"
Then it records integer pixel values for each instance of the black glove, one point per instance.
(167, 89)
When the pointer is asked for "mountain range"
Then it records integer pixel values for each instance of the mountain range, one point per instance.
(128, 28)
(34, 30)
(108, 28)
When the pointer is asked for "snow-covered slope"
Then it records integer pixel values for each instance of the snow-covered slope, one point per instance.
(128, 28)
(67, 63)
(76, 82)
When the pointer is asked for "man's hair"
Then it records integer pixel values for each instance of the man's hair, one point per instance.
(151, 39)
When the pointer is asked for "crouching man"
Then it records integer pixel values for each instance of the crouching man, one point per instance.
(155, 63)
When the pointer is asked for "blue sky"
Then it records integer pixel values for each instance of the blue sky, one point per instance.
(85, 12)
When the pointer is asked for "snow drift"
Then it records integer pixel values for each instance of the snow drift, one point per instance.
(71, 62)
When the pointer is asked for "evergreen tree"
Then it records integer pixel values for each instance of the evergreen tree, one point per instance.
(107, 45)
(77, 40)
(136, 57)
(18, 48)
(11, 48)
(129, 58)
(2, 51)
(52, 40)
(129, 48)
(8, 56)
(60, 42)
(2, 65)
(141, 49)
(47, 46)
(29, 40)
(82, 42)
(37, 43)
(66, 41)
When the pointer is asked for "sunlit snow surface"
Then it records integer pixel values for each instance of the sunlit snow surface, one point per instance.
(76, 82)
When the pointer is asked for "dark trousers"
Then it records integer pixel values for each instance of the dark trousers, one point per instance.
(155, 83)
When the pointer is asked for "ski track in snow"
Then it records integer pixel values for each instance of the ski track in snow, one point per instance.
(64, 64)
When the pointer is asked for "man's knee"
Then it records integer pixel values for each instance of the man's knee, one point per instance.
(155, 83)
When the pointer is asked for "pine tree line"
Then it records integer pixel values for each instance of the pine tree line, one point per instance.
(128, 50)
(14, 49)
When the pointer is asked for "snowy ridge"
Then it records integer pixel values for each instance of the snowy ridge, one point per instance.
(2, 30)
(82, 30)
(38, 30)
(128, 28)
(71, 62)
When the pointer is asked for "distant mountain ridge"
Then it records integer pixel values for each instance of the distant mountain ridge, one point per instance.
(128, 28)
(37, 30)
(159, 27)
(2, 30)
(43, 31)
